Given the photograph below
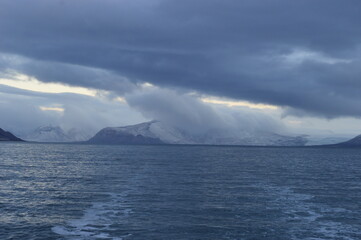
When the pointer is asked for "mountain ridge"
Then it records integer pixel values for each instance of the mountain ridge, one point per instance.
(353, 142)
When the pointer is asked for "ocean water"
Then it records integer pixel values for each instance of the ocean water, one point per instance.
(59, 191)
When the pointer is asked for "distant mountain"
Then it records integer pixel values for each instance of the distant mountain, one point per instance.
(136, 134)
(56, 134)
(8, 136)
(156, 132)
(354, 142)
(47, 134)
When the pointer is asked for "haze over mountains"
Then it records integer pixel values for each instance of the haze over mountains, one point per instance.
(157, 132)
(56, 134)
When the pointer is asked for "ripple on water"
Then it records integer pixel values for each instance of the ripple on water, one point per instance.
(309, 220)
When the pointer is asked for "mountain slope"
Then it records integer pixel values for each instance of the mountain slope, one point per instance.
(7, 136)
(354, 142)
(156, 132)
(319, 141)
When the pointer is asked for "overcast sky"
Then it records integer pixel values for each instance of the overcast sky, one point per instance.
(293, 64)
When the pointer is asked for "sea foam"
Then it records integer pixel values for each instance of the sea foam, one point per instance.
(97, 221)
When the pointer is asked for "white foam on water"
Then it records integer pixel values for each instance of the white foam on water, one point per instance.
(306, 217)
(96, 221)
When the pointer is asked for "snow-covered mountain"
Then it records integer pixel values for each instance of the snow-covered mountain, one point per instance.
(55, 134)
(156, 132)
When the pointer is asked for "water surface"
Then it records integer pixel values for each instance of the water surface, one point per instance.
(64, 191)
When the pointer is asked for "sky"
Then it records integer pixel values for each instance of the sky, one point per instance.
(290, 67)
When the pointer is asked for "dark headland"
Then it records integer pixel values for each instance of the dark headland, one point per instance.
(352, 143)
(8, 136)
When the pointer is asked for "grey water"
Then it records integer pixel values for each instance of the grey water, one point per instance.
(65, 191)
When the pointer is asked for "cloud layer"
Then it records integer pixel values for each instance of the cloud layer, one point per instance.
(302, 55)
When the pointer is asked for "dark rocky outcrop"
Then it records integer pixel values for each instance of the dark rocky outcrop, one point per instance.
(114, 136)
(8, 136)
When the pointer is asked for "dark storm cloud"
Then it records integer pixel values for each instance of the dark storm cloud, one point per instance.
(65, 73)
(303, 55)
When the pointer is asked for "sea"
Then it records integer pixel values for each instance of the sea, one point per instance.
(74, 191)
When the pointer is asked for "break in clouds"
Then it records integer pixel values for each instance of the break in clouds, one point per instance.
(300, 55)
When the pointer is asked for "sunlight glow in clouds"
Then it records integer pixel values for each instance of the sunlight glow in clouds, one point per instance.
(56, 109)
(120, 99)
(29, 83)
(298, 56)
(230, 103)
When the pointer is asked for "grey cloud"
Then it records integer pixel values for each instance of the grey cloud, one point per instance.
(171, 108)
(225, 48)
(21, 111)
(189, 113)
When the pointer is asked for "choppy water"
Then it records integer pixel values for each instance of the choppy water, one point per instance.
(54, 191)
